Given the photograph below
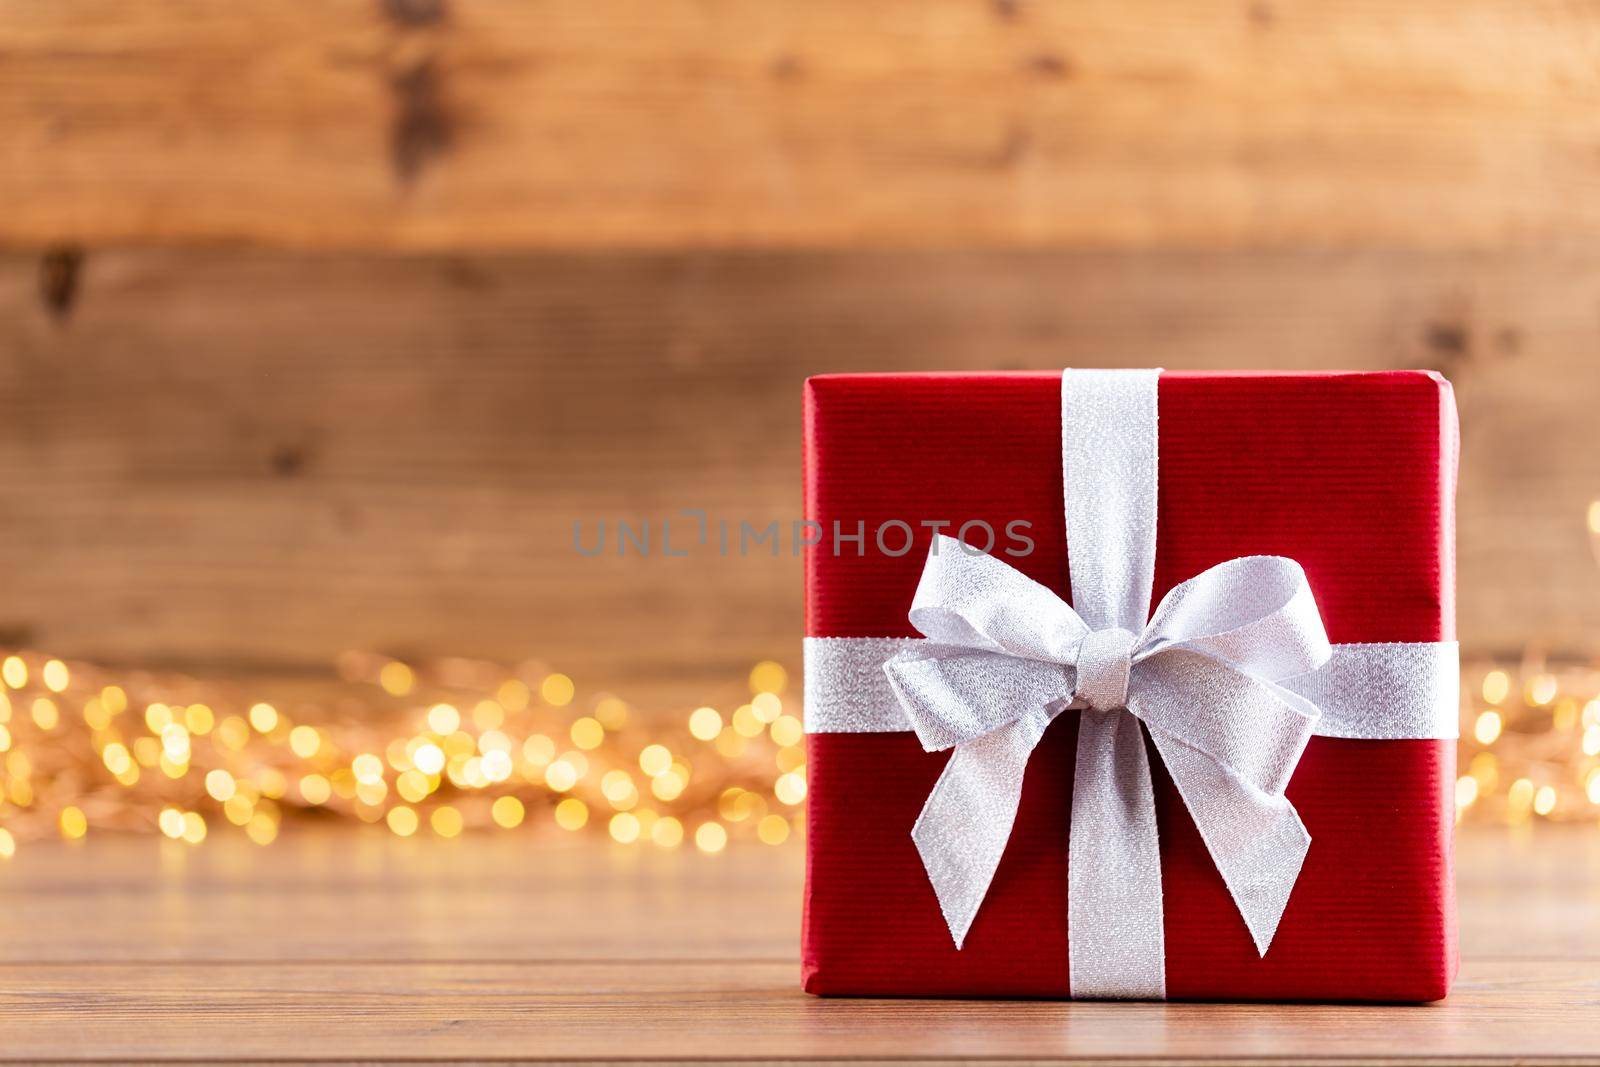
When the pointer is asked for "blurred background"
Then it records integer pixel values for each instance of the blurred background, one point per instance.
(322, 324)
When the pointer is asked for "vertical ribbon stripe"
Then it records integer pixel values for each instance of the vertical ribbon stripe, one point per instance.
(1109, 439)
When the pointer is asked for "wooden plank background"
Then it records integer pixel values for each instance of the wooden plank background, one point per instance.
(322, 323)
(263, 458)
(442, 124)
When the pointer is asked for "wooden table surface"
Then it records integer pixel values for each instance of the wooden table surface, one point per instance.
(352, 945)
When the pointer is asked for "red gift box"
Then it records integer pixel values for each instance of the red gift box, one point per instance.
(1350, 474)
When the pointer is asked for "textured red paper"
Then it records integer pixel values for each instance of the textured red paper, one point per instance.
(1353, 475)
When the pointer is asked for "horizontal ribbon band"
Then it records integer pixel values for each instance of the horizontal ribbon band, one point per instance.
(1375, 692)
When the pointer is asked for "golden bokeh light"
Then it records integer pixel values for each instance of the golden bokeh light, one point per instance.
(304, 741)
(446, 821)
(396, 678)
(538, 750)
(790, 788)
(488, 715)
(273, 782)
(315, 789)
(1487, 728)
(367, 768)
(669, 784)
(667, 832)
(220, 784)
(507, 812)
(55, 675)
(1544, 800)
(46, 716)
(232, 733)
(413, 786)
(444, 719)
(611, 712)
(557, 690)
(768, 677)
(262, 829)
(116, 758)
(588, 734)
(560, 776)
(264, 717)
(1542, 689)
(767, 706)
(773, 829)
(618, 787)
(402, 820)
(429, 758)
(655, 759)
(171, 822)
(572, 814)
(496, 766)
(157, 717)
(72, 822)
(705, 723)
(624, 828)
(199, 719)
(710, 837)
(746, 723)
(786, 731)
(239, 809)
(513, 694)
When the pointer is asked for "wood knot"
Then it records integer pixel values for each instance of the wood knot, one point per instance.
(1446, 338)
(787, 68)
(1049, 65)
(414, 12)
(289, 460)
(59, 273)
(422, 127)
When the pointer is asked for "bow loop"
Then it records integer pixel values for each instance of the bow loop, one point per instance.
(1256, 612)
(954, 695)
(967, 597)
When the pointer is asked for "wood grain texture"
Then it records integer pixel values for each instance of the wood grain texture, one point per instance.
(257, 460)
(470, 124)
(141, 949)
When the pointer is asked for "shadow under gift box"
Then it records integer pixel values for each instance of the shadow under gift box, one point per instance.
(1352, 475)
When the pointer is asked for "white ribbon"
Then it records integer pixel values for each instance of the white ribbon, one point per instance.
(1005, 655)
(1204, 675)
(1387, 691)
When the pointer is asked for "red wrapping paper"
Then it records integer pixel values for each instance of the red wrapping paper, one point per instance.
(1353, 475)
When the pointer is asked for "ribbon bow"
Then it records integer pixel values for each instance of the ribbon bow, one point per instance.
(1005, 655)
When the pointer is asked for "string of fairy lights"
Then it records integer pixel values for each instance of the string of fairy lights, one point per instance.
(458, 746)
(441, 748)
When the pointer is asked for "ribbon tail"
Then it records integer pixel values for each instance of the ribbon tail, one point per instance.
(1116, 944)
(1255, 838)
(967, 818)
